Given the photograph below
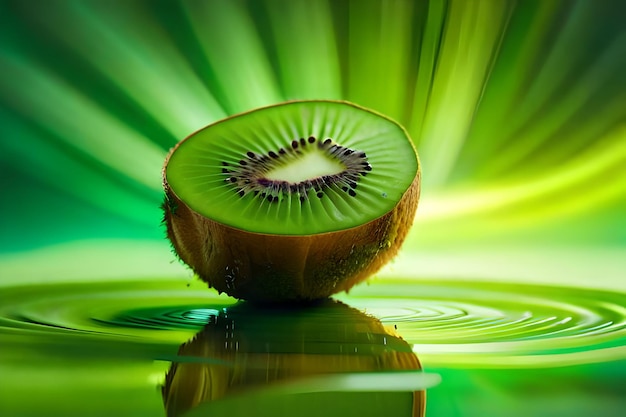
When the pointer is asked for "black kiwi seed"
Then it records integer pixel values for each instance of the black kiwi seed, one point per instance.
(249, 175)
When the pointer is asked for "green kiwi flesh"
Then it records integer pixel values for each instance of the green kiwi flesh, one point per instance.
(291, 202)
(264, 144)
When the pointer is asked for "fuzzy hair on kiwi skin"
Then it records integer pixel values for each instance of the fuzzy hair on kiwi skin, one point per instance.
(267, 268)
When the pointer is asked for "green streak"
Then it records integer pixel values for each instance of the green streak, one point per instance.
(139, 57)
(470, 41)
(379, 46)
(35, 154)
(430, 44)
(226, 33)
(303, 36)
(80, 122)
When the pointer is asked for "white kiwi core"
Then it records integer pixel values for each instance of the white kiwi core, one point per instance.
(312, 165)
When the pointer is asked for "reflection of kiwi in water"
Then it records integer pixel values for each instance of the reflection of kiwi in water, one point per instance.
(291, 202)
(259, 361)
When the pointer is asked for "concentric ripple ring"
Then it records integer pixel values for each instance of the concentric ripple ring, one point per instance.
(448, 322)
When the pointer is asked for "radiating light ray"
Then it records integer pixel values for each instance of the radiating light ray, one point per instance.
(154, 73)
(522, 126)
(471, 37)
(581, 134)
(226, 32)
(378, 73)
(430, 43)
(572, 105)
(306, 48)
(560, 66)
(596, 81)
(55, 167)
(138, 56)
(80, 121)
(525, 43)
(589, 168)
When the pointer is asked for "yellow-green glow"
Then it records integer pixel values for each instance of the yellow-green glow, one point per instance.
(435, 355)
(600, 169)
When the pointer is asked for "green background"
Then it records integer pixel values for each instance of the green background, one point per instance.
(517, 109)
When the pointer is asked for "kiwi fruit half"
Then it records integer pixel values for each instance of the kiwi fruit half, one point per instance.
(291, 202)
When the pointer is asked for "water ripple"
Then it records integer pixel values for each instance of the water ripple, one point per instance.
(492, 323)
(446, 322)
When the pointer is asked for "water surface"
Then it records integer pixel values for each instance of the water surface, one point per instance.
(398, 347)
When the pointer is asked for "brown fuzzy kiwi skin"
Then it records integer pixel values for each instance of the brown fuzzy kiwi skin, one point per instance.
(272, 268)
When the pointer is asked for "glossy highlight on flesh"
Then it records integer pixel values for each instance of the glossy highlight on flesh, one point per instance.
(256, 229)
